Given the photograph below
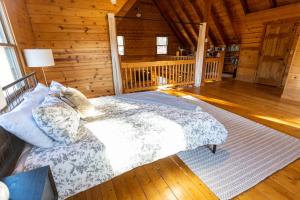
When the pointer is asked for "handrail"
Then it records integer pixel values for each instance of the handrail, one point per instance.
(19, 80)
(139, 76)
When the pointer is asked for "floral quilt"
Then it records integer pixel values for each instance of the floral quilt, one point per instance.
(124, 134)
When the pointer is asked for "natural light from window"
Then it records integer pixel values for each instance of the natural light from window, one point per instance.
(161, 45)
(9, 65)
(121, 45)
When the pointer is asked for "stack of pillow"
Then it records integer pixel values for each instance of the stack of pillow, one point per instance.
(48, 116)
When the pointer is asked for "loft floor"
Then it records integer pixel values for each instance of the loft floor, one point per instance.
(170, 178)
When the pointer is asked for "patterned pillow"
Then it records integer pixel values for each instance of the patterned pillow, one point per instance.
(81, 103)
(58, 120)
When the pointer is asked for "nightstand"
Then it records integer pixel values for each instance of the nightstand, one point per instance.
(37, 184)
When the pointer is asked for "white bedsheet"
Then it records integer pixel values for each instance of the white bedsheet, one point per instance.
(131, 130)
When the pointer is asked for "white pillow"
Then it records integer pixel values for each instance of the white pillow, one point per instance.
(58, 120)
(21, 123)
(56, 88)
(38, 94)
(81, 103)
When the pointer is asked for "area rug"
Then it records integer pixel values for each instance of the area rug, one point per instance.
(252, 153)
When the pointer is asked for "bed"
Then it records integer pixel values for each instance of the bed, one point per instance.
(131, 130)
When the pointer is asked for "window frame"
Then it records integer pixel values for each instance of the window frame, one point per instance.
(123, 45)
(167, 45)
(15, 63)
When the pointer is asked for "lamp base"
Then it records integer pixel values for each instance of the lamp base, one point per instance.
(4, 192)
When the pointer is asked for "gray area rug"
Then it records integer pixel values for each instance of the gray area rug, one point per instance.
(252, 153)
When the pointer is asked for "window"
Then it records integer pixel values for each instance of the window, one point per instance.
(9, 64)
(161, 45)
(121, 45)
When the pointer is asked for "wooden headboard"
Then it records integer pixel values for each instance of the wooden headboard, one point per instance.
(11, 147)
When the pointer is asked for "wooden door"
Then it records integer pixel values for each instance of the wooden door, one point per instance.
(275, 53)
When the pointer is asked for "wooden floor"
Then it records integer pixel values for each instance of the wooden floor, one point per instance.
(170, 178)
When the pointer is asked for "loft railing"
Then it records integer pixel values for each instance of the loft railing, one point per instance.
(140, 76)
(166, 57)
(213, 69)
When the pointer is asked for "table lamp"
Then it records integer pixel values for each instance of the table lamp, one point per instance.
(39, 58)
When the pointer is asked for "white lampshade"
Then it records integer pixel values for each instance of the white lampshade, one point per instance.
(3, 102)
(39, 57)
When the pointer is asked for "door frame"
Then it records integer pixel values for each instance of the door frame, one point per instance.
(296, 22)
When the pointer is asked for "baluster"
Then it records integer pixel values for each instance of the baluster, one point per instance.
(188, 73)
(159, 72)
(130, 71)
(143, 77)
(139, 76)
(173, 74)
(155, 75)
(126, 78)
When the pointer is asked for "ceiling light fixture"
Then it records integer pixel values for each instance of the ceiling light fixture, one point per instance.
(139, 12)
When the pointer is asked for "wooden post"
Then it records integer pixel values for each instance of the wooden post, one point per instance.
(200, 55)
(221, 65)
(117, 78)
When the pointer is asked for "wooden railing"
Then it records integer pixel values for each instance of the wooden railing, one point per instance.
(213, 69)
(139, 76)
(164, 57)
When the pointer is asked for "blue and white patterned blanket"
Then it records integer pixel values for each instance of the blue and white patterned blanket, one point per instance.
(126, 133)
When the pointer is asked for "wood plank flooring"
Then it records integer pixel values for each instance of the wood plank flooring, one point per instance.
(170, 178)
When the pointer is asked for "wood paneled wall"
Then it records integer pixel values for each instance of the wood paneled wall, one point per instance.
(251, 29)
(77, 31)
(140, 35)
(292, 86)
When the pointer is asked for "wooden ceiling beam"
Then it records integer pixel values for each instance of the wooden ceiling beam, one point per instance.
(218, 26)
(168, 11)
(178, 34)
(273, 3)
(193, 16)
(201, 17)
(125, 9)
(273, 14)
(209, 14)
(185, 21)
(231, 19)
(245, 6)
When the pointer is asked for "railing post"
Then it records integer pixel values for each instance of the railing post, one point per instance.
(200, 55)
(117, 77)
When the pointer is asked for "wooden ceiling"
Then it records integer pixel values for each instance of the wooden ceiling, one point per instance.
(184, 16)
(251, 6)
